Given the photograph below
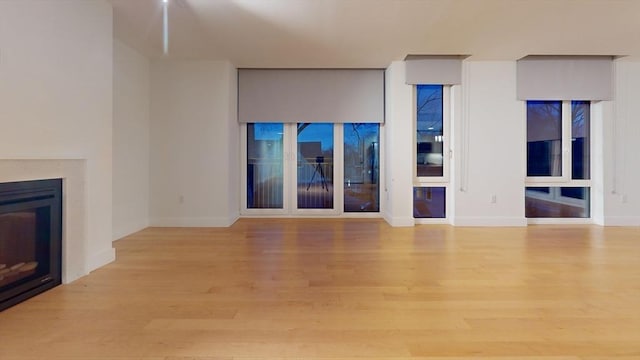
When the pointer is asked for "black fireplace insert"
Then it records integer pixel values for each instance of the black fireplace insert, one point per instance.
(30, 239)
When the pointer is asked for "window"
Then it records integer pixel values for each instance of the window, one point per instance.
(558, 159)
(315, 166)
(429, 202)
(544, 138)
(311, 168)
(429, 131)
(580, 140)
(361, 167)
(265, 166)
(431, 151)
(557, 202)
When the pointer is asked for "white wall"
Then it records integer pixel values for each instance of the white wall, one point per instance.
(621, 147)
(233, 137)
(194, 144)
(398, 148)
(195, 148)
(489, 134)
(56, 97)
(130, 140)
(490, 147)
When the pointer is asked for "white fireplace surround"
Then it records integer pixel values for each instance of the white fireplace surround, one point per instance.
(74, 203)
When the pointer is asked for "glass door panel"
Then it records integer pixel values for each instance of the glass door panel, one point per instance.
(315, 166)
(265, 163)
(361, 172)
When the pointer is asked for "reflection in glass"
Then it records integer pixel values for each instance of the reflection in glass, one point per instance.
(580, 140)
(557, 202)
(544, 138)
(361, 159)
(430, 135)
(315, 166)
(265, 166)
(429, 202)
(24, 239)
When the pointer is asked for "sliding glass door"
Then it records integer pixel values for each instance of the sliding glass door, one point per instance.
(314, 173)
(361, 167)
(311, 169)
(265, 166)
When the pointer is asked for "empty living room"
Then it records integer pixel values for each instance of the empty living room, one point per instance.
(319, 179)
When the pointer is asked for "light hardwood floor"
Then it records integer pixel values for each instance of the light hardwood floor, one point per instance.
(344, 289)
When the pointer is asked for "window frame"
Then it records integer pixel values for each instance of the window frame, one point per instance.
(447, 154)
(555, 193)
(379, 178)
(286, 181)
(290, 160)
(432, 220)
(566, 180)
(567, 156)
(446, 141)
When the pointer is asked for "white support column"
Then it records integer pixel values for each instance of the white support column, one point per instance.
(398, 148)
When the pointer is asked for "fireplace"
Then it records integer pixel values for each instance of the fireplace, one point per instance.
(30, 239)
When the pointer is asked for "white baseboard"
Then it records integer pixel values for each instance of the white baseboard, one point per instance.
(622, 221)
(562, 221)
(194, 222)
(233, 218)
(101, 259)
(489, 221)
(399, 221)
(129, 228)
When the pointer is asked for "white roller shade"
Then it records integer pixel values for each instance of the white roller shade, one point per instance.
(565, 78)
(311, 95)
(434, 69)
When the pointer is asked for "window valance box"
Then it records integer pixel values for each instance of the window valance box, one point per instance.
(311, 95)
(433, 69)
(565, 77)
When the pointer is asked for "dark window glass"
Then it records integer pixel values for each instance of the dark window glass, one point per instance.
(315, 166)
(544, 138)
(429, 202)
(580, 140)
(264, 166)
(430, 132)
(557, 202)
(361, 167)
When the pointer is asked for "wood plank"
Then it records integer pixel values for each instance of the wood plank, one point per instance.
(344, 289)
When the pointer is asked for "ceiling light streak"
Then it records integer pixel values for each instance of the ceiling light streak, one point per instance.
(165, 26)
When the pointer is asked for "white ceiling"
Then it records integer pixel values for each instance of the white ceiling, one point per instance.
(372, 33)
